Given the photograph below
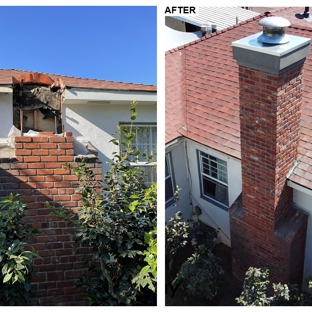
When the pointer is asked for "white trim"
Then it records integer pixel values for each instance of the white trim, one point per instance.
(105, 97)
(299, 188)
(6, 90)
(172, 143)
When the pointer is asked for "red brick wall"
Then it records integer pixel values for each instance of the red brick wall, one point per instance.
(39, 175)
(262, 232)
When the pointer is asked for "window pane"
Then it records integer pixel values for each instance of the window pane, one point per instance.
(149, 175)
(209, 187)
(213, 175)
(215, 190)
(167, 170)
(145, 142)
(214, 172)
(168, 189)
(154, 136)
(144, 149)
(222, 168)
(169, 181)
(143, 135)
(214, 167)
(206, 167)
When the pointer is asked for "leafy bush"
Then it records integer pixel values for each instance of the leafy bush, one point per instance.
(118, 220)
(16, 263)
(200, 274)
(177, 233)
(256, 289)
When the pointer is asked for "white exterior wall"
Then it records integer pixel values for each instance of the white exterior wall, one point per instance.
(186, 173)
(6, 116)
(213, 215)
(187, 177)
(181, 179)
(303, 200)
(97, 123)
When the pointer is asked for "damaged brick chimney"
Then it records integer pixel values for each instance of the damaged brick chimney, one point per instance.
(266, 229)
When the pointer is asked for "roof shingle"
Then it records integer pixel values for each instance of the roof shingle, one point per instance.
(202, 92)
(7, 74)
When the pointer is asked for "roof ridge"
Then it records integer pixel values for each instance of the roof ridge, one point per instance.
(31, 71)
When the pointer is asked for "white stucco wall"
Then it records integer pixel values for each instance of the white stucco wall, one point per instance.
(303, 200)
(181, 179)
(6, 116)
(187, 177)
(213, 215)
(97, 123)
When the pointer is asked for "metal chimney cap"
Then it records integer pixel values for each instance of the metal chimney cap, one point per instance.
(274, 30)
(275, 22)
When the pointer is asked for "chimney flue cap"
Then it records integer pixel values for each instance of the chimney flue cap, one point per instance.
(274, 30)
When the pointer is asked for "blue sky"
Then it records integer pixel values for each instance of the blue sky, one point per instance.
(115, 43)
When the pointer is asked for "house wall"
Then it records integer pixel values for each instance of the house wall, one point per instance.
(38, 175)
(181, 178)
(213, 215)
(303, 201)
(97, 123)
(6, 116)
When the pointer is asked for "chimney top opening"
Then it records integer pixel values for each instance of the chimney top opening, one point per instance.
(274, 30)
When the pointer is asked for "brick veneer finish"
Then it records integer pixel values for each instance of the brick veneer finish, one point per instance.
(38, 175)
(266, 230)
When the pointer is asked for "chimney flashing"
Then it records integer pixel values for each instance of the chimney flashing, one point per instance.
(270, 58)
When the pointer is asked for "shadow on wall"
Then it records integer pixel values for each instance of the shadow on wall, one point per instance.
(89, 126)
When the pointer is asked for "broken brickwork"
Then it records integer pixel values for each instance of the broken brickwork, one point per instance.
(38, 174)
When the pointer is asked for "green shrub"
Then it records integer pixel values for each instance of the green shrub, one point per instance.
(200, 274)
(256, 291)
(118, 221)
(177, 234)
(16, 263)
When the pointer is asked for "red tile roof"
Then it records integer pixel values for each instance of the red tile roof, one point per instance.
(7, 74)
(202, 92)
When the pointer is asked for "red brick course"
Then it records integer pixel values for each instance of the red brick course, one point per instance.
(40, 176)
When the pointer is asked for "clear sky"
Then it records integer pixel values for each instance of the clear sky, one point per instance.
(115, 43)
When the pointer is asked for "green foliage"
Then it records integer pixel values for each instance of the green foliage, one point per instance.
(177, 234)
(15, 262)
(200, 274)
(255, 291)
(148, 274)
(117, 220)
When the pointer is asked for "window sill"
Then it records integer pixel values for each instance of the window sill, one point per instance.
(215, 203)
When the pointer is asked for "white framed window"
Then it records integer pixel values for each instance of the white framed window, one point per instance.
(213, 179)
(145, 142)
(169, 181)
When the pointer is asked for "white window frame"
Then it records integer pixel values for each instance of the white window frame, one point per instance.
(169, 175)
(213, 170)
(150, 144)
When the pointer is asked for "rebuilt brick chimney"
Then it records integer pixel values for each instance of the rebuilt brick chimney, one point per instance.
(266, 229)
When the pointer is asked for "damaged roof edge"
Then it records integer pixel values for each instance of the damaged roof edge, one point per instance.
(6, 76)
